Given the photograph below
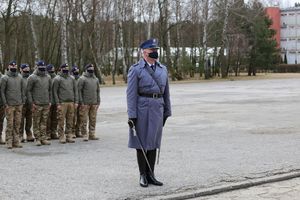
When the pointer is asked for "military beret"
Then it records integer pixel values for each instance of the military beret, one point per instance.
(13, 62)
(150, 44)
(89, 65)
(49, 67)
(74, 68)
(64, 65)
(40, 63)
(23, 66)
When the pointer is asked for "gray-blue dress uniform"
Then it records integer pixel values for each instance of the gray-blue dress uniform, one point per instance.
(149, 112)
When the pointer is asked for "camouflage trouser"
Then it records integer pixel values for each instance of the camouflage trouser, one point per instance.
(88, 113)
(2, 116)
(52, 121)
(40, 117)
(13, 118)
(76, 121)
(26, 121)
(65, 113)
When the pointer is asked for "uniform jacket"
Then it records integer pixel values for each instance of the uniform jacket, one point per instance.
(89, 89)
(64, 89)
(39, 88)
(12, 89)
(52, 76)
(148, 111)
(25, 79)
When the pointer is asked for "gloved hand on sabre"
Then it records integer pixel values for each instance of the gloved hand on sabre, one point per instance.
(132, 122)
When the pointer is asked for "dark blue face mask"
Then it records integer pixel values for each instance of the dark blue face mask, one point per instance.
(42, 69)
(13, 69)
(76, 73)
(153, 55)
(91, 71)
(65, 71)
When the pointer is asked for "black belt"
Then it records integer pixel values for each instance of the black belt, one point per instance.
(154, 95)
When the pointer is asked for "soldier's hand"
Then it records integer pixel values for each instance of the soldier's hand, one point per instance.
(75, 105)
(58, 106)
(33, 107)
(132, 122)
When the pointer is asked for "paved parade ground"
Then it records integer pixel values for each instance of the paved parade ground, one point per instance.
(220, 133)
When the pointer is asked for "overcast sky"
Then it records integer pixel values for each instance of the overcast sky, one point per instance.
(282, 3)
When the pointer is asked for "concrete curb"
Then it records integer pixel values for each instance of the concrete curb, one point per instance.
(227, 187)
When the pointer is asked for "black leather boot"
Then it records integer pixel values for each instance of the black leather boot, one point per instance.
(152, 180)
(143, 180)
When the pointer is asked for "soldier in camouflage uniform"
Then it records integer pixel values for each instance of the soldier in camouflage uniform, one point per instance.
(39, 96)
(52, 119)
(26, 121)
(2, 115)
(89, 100)
(76, 121)
(13, 97)
(65, 96)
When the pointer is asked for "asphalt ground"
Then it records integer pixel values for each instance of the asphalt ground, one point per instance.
(221, 133)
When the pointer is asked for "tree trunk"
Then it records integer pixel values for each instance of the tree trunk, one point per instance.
(63, 29)
(224, 41)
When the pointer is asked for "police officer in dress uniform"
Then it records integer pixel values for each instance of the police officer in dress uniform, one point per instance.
(148, 107)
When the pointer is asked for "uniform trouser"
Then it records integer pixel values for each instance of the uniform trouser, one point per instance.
(26, 121)
(76, 121)
(2, 116)
(65, 117)
(151, 156)
(13, 118)
(52, 120)
(40, 116)
(88, 113)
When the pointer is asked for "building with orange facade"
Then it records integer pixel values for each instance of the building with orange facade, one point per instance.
(286, 23)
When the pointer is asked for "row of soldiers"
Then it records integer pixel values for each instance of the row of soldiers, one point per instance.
(56, 106)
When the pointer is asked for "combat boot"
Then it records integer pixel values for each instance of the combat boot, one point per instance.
(70, 138)
(9, 144)
(85, 138)
(38, 143)
(45, 142)
(22, 140)
(1, 140)
(93, 137)
(62, 139)
(54, 136)
(17, 145)
(30, 138)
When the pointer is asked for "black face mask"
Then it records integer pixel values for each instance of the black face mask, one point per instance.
(91, 71)
(42, 69)
(153, 55)
(65, 71)
(50, 72)
(76, 73)
(13, 69)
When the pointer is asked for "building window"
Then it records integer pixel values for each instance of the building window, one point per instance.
(291, 14)
(292, 27)
(283, 25)
(283, 14)
(283, 39)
